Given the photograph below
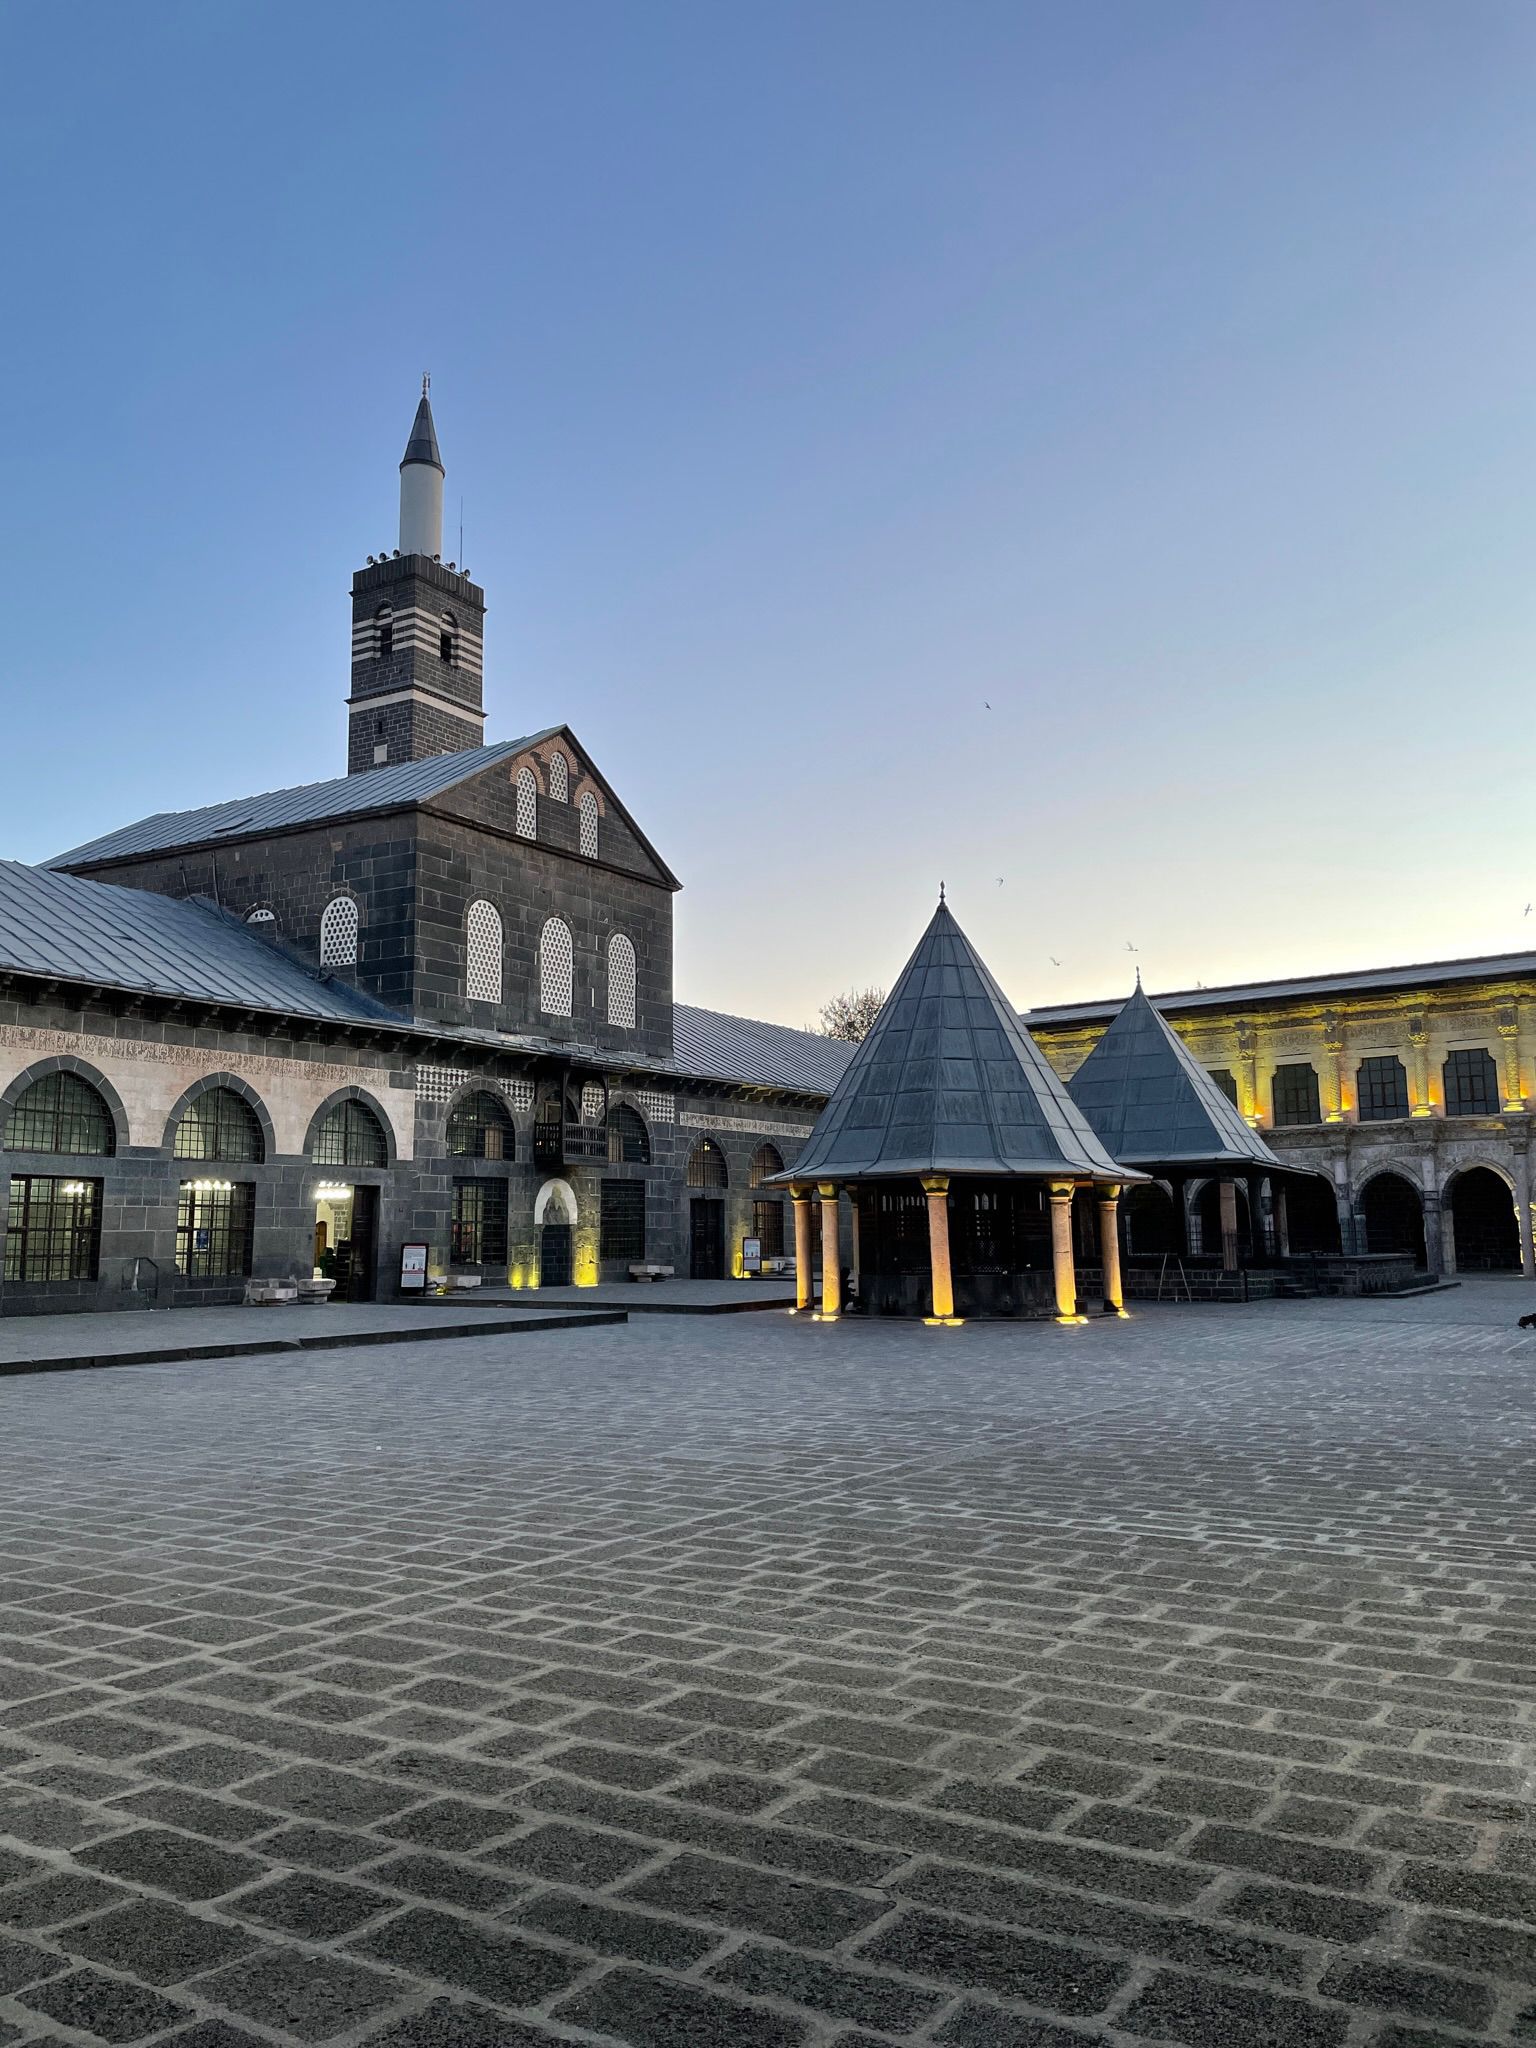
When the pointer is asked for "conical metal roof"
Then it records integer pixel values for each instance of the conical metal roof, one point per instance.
(422, 446)
(949, 1081)
(1154, 1105)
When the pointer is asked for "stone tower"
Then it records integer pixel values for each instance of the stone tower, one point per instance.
(418, 629)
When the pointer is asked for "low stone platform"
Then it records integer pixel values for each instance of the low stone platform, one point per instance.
(643, 1297)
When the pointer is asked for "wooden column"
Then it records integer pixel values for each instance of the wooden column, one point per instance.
(1229, 1261)
(804, 1281)
(936, 1188)
(831, 1269)
(1109, 1249)
(1061, 1248)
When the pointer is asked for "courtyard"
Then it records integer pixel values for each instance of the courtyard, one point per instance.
(765, 1682)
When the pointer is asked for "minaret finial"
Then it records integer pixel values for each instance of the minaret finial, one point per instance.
(941, 892)
(426, 383)
(1138, 975)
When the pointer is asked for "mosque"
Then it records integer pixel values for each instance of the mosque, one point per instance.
(422, 1013)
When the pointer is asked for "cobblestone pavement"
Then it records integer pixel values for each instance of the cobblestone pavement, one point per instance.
(762, 1682)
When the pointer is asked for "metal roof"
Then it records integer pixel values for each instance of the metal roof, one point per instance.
(715, 1047)
(422, 446)
(949, 1081)
(95, 932)
(379, 789)
(1154, 1105)
(1425, 975)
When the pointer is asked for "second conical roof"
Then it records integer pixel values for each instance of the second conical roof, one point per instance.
(422, 446)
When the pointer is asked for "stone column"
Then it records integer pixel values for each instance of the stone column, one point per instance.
(831, 1264)
(1229, 1259)
(1248, 1071)
(1260, 1221)
(1439, 1234)
(804, 1282)
(1509, 1064)
(1282, 1224)
(1418, 1038)
(936, 1188)
(1061, 1249)
(1522, 1166)
(1333, 1068)
(853, 1204)
(1109, 1249)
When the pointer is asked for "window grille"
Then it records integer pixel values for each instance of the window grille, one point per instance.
(479, 1128)
(60, 1113)
(706, 1166)
(629, 1141)
(768, 1226)
(559, 778)
(214, 1226)
(1381, 1089)
(338, 933)
(621, 1229)
(1471, 1084)
(1295, 1097)
(621, 983)
(556, 969)
(52, 1228)
(482, 947)
(1226, 1081)
(527, 804)
(350, 1136)
(589, 824)
(660, 1108)
(766, 1160)
(592, 1100)
(219, 1125)
(479, 1235)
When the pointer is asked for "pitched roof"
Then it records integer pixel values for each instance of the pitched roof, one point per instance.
(949, 1081)
(96, 932)
(422, 446)
(1153, 1104)
(714, 1047)
(379, 789)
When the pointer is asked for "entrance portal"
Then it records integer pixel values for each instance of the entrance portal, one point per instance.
(1483, 1218)
(555, 1255)
(1392, 1211)
(706, 1240)
(346, 1239)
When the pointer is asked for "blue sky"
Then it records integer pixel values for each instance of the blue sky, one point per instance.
(814, 377)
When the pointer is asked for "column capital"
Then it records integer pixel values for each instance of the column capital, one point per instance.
(1063, 1190)
(801, 1194)
(827, 1189)
(935, 1183)
(1108, 1191)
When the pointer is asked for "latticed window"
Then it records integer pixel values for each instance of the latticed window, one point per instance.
(556, 968)
(621, 1228)
(479, 1236)
(768, 1228)
(589, 823)
(1295, 1097)
(1471, 1084)
(214, 1223)
(621, 983)
(52, 1228)
(1381, 1089)
(560, 778)
(482, 949)
(479, 1128)
(338, 933)
(350, 1136)
(527, 804)
(766, 1160)
(593, 1097)
(261, 915)
(1226, 1081)
(219, 1124)
(706, 1166)
(60, 1113)
(628, 1139)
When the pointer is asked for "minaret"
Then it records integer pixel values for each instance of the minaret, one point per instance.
(418, 628)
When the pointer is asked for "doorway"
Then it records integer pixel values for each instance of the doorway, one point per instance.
(706, 1240)
(555, 1255)
(347, 1240)
(1392, 1210)
(1483, 1218)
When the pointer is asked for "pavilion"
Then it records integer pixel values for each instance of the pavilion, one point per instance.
(1151, 1103)
(960, 1150)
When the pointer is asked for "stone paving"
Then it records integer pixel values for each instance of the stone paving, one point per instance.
(763, 1682)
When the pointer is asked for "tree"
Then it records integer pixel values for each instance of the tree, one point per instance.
(850, 1016)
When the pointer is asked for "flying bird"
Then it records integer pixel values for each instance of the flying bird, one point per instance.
(1527, 910)
(984, 701)
(1130, 948)
(999, 881)
(1053, 960)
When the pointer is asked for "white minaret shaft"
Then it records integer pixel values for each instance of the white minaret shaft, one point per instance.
(421, 485)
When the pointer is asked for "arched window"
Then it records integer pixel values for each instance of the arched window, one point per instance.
(60, 1113)
(1295, 1097)
(1471, 1084)
(766, 1160)
(447, 639)
(588, 809)
(556, 968)
(621, 983)
(480, 1128)
(1381, 1089)
(338, 933)
(527, 804)
(1226, 1082)
(629, 1142)
(560, 778)
(482, 953)
(218, 1124)
(350, 1136)
(706, 1166)
(384, 630)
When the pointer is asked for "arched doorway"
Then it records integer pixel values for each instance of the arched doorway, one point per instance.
(1392, 1210)
(1311, 1215)
(1207, 1213)
(1484, 1221)
(1151, 1222)
(707, 1179)
(554, 1222)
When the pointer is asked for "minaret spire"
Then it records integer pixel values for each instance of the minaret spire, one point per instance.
(421, 485)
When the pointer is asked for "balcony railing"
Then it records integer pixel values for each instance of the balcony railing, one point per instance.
(568, 1144)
